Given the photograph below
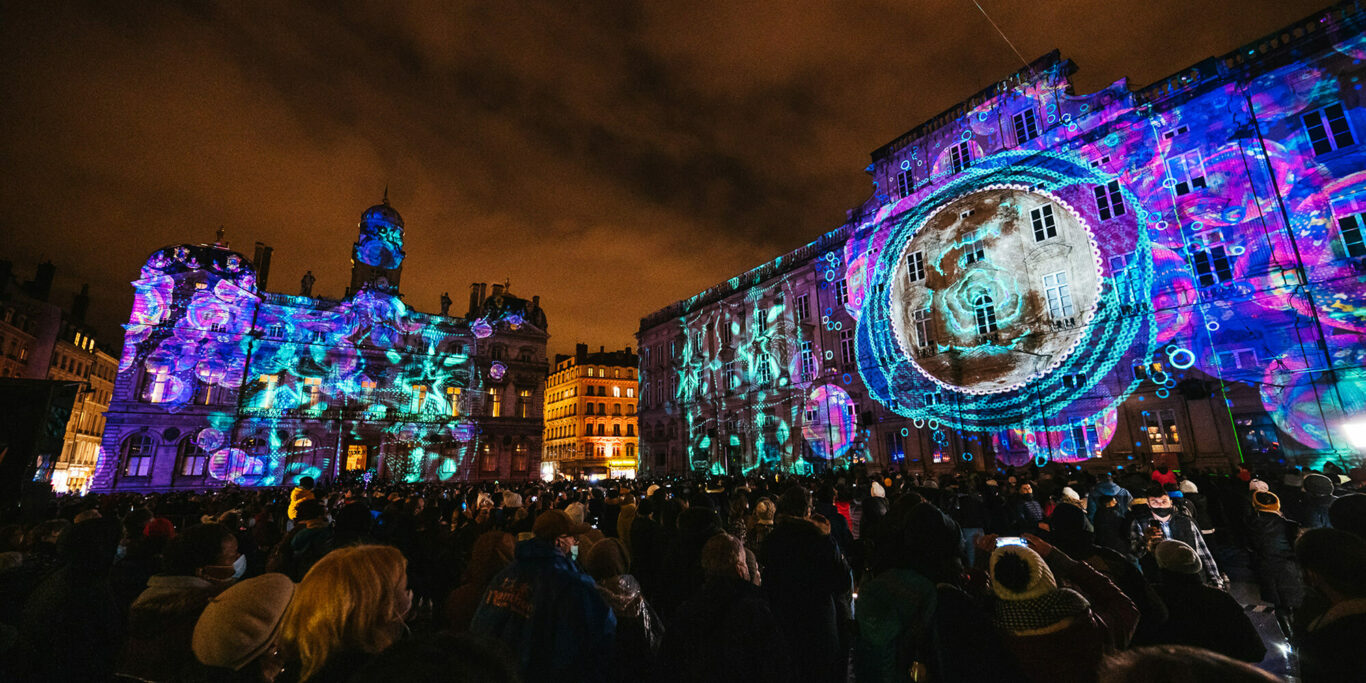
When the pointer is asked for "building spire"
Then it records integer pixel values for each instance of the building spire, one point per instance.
(386, 194)
(218, 237)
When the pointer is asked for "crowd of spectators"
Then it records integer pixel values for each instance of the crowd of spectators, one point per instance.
(1025, 574)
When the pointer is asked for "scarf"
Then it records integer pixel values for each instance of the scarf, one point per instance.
(1037, 613)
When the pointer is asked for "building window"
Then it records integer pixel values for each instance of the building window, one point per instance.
(960, 157)
(1059, 295)
(1045, 227)
(1328, 129)
(1085, 440)
(137, 455)
(616, 392)
(1349, 228)
(1187, 172)
(497, 352)
(453, 400)
(419, 397)
(1109, 201)
(1026, 126)
(847, 351)
(915, 266)
(616, 409)
(1074, 380)
(922, 328)
(1160, 426)
(590, 372)
(904, 184)
(984, 309)
(319, 336)
(313, 391)
(808, 360)
(158, 387)
(763, 371)
(732, 380)
(616, 430)
(842, 291)
(630, 430)
(488, 462)
(275, 331)
(802, 311)
(630, 392)
(1211, 265)
(266, 398)
(523, 403)
(193, 459)
(973, 251)
(727, 332)
(495, 402)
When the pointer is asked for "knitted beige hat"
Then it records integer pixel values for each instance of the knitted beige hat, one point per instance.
(240, 623)
(1041, 579)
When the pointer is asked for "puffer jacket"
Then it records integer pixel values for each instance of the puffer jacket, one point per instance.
(639, 630)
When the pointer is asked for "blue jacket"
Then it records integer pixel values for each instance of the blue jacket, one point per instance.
(1123, 499)
(549, 613)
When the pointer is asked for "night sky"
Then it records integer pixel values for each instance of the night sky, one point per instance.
(610, 157)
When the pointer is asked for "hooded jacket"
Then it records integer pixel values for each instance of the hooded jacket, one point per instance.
(1123, 499)
(550, 616)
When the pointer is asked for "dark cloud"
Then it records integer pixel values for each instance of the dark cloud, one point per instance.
(611, 157)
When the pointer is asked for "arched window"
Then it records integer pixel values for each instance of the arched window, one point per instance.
(138, 450)
(985, 311)
(193, 459)
(301, 459)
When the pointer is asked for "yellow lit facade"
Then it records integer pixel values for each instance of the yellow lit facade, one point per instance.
(590, 414)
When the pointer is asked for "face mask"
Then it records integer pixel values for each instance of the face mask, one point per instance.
(120, 552)
(239, 567)
(574, 552)
(1162, 512)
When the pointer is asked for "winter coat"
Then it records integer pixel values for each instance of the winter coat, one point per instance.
(725, 633)
(1329, 649)
(160, 623)
(296, 496)
(550, 615)
(485, 563)
(1071, 649)
(894, 612)
(805, 578)
(1272, 540)
(1123, 499)
(639, 630)
(1204, 617)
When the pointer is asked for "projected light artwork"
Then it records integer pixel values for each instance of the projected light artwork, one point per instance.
(1175, 273)
(220, 382)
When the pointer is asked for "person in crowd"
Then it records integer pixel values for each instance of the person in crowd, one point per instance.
(547, 611)
(442, 656)
(1200, 615)
(237, 636)
(1178, 664)
(1026, 511)
(1070, 531)
(198, 564)
(1348, 513)
(1334, 564)
(639, 630)
(310, 539)
(625, 517)
(40, 558)
(648, 545)
(683, 558)
(1272, 539)
(492, 553)
(725, 632)
(350, 606)
(765, 512)
(587, 539)
(1317, 496)
(914, 623)
(1105, 486)
(1055, 633)
(1162, 475)
(73, 604)
(808, 583)
(302, 492)
(1198, 506)
(1162, 521)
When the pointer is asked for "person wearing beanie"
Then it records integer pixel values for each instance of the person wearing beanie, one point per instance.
(764, 513)
(1271, 538)
(547, 611)
(1348, 513)
(238, 632)
(301, 493)
(1311, 508)
(1163, 475)
(1197, 614)
(1056, 634)
(639, 629)
(1197, 507)
(1161, 520)
(589, 538)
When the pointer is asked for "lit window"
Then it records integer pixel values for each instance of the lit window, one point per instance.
(960, 157)
(1187, 172)
(630, 392)
(616, 392)
(984, 309)
(192, 459)
(1045, 226)
(1085, 440)
(1026, 126)
(453, 399)
(1059, 295)
(313, 388)
(158, 385)
(1328, 129)
(1109, 201)
(419, 394)
(495, 403)
(138, 451)
(915, 266)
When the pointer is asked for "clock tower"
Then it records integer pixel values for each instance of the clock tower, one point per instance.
(377, 256)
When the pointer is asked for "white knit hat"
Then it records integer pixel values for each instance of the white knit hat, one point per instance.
(1188, 486)
(1041, 580)
(875, 490)
(1257, 485)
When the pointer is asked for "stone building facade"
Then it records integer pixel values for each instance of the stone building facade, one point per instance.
(1173, 273)
(590, 415)
(221, 381)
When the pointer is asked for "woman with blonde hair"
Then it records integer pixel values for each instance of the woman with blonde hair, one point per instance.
(349, 608)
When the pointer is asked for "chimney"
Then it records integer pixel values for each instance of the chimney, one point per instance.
(497, 291)
(80, 305)
(40, 287)
(602, 349)
(581, 353)
(483, 293)
(474, 300)
(262, 262)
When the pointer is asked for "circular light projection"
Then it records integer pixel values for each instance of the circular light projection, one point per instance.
(829, 428)
(995, 289)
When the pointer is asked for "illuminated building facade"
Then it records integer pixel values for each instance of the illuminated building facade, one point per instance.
(590, 415)
(1172, 273)
(223, 382)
